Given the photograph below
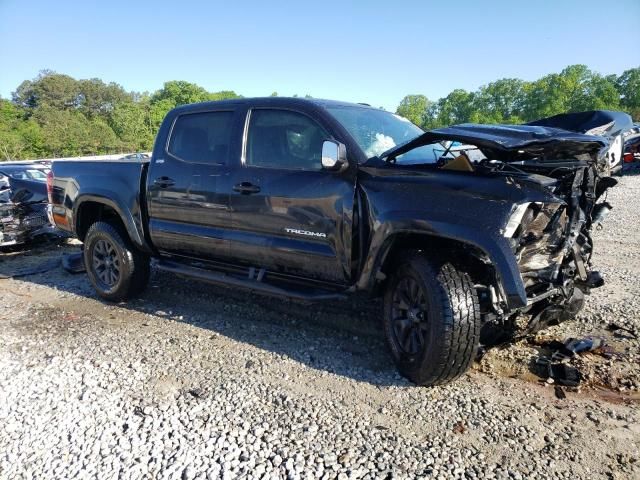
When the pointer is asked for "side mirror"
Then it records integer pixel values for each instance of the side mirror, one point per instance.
(334, 156)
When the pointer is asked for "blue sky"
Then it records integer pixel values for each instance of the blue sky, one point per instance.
(369, 51)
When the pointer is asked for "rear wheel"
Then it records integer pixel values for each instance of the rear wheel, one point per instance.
(431, 320)
(115, 268)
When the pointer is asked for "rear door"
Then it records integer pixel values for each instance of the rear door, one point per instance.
(288, 214)
(189, 184)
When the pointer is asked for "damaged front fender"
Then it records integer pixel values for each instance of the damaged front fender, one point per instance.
(451, 207)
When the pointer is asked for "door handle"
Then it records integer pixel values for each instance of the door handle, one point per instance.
(164, 182)
(246, 188)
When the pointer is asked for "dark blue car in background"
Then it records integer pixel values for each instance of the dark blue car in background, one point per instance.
(23, 201)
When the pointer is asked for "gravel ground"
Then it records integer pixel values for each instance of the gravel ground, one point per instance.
(192, 381)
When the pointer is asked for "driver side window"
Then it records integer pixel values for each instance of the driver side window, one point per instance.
(284, 139)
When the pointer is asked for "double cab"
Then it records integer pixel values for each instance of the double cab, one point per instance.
(455, 228)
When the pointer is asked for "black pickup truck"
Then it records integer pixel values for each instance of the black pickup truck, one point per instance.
(456, 228)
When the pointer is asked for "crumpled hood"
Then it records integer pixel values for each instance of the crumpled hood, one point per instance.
(559, 137)
(511, 142)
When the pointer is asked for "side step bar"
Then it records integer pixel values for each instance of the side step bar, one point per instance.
(250, 283)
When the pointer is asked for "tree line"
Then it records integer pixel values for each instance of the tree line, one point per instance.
(514, 101)
(55, 115)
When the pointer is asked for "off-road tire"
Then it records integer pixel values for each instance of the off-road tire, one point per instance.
(452, 330)
(133, 265)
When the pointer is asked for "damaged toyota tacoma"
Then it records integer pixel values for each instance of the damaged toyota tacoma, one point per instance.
(457, 228)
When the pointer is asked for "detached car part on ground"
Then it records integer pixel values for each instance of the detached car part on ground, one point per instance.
(23, 210)
(347, 199)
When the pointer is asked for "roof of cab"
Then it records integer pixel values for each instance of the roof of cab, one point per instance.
(275, 101)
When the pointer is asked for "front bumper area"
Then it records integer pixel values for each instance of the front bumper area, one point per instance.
(18, 223)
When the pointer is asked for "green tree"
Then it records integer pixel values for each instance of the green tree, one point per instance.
(98, 98)
(223, 95)
(596, 93)
(157, 111)
(501, 101)
(100, 138)
(19, 137)
(628, 85)
(69, 133)
(414, 108)
(48, 89)
(179, 92)
(457, 107)
(63, 116)
(131, 122)
(574, 89)
(545, 97)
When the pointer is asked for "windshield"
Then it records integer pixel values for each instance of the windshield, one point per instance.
(376, 131)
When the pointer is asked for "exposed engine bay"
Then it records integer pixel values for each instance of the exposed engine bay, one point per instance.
(551, 239)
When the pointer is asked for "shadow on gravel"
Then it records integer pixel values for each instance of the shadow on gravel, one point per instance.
(344, 338)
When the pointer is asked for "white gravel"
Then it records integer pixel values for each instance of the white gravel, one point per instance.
(192, 381)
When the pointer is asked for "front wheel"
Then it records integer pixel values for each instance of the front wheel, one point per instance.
(115, 268)
(431, 320)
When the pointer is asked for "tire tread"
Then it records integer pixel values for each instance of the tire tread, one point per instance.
(457, 326)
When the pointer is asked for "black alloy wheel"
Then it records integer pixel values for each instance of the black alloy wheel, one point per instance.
(106, 263)
(431, 318)
(116, 269)
(409, 316)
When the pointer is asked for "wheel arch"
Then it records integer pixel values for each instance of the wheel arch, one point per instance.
(90, 209)
(463, 255)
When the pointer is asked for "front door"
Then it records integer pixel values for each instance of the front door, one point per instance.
(287, 213)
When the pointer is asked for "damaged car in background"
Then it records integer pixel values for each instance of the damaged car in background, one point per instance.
(23, 203)
(609, 124)
(632, 152)
(460, 230)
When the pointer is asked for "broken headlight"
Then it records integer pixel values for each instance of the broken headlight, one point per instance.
(530, 218)
(515, 219)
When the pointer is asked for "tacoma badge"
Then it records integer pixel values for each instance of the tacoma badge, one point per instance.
(305, 232)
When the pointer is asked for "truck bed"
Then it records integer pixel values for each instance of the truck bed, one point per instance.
(116, 183)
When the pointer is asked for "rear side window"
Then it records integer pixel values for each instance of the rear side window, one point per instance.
(202, 137)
